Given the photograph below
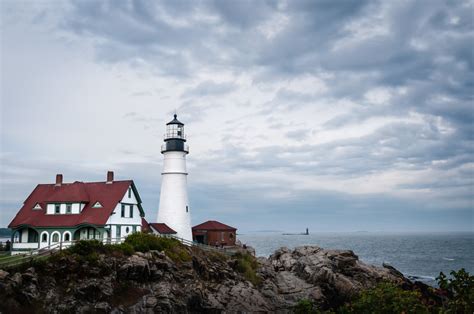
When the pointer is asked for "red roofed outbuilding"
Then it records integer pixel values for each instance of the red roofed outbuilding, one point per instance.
(62, 212)
(214, 233)
(161, 228)
(156, 228)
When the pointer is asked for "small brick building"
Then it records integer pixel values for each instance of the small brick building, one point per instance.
(214, 233)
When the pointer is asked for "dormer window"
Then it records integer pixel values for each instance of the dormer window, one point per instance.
(97, 205)
(68, 208)
(57, 208)
(37, 206)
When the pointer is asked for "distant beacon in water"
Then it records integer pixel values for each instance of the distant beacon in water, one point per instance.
(174, 209)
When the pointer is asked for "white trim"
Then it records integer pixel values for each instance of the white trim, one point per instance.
(45, 243)
(59, 237)
(64, 236)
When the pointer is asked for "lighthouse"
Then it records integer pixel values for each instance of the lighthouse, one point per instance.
(174, 208)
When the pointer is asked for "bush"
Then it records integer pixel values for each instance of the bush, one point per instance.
(304, 306)
(122, 248)
(386, 298)
(144, 242)
(86, 247)
(247, 265)
(459, 291)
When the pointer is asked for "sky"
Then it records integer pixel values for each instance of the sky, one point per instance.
(332, 115)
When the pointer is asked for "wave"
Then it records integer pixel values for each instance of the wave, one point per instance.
(421, 277)
(448, 259)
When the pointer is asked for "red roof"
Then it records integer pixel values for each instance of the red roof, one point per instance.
(162, 228)
(213, 225)
(145, 225)
(109, 195)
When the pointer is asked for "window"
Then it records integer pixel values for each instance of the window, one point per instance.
(123, 210)
(231, 235)
(127, 230)
(131, 211)
(130, 192)
(187, 208)
(57, 208)
(222, 236)
(134, 229)
(56, 237)
(68, 208)
(118, 231)
(44, 237)
(97, 205)
(67, 237)
(37, 206)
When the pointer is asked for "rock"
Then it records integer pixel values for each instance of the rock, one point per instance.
(17, 279)
(152, 282)
(136, 268)
(150, 301)
(102, 307)
(3, 274)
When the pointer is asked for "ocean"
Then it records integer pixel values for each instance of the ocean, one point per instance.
(420, 256)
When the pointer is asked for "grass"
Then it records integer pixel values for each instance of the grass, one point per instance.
(11, 260)
(247, 265)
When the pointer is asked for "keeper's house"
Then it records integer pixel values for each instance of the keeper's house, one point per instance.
(63, 212)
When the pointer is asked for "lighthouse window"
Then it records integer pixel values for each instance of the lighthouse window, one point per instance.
(187, 208)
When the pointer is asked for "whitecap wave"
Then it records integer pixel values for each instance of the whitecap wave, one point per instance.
(448, 259)
(420, 277)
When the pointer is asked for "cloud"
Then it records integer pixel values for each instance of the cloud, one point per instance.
(323, 107)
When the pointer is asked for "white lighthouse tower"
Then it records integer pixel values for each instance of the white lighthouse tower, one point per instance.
(174, 208)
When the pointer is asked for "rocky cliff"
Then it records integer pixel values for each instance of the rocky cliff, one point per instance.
(206, 282)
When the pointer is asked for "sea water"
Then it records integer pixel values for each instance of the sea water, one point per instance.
(420, 256)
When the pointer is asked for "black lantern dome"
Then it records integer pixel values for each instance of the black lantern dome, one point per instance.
(175, 121)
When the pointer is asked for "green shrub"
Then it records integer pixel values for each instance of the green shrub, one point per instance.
(120, 249)
(179, 254)
(386, 298)
(304, 306)
(144, 242)
(247, 265)
(459, 291)
(86, 247)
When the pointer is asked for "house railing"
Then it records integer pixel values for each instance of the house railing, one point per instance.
(204, 247)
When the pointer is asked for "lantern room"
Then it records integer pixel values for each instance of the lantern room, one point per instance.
(175, 130)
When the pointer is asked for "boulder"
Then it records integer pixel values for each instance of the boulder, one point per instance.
(3, 274)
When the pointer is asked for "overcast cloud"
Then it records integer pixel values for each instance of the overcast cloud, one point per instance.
(332, 115)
